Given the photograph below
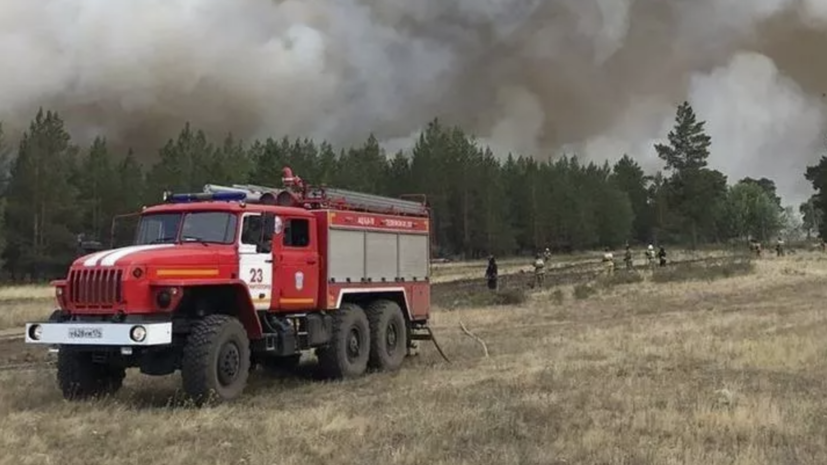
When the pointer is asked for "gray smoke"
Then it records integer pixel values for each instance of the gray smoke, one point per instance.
(541, 77)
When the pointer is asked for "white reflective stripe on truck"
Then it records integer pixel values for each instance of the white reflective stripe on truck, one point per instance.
(103, 334)
(110, 257)
(367, 290)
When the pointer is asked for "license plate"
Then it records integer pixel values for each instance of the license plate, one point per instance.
(85, 333)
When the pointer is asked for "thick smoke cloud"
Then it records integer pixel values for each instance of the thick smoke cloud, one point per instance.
(598, 77)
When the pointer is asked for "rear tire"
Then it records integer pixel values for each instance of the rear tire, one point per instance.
(388, 335)
(216, 361)
(346, 356)
(79, 377)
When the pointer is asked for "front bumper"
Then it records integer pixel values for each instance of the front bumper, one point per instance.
(99, 334)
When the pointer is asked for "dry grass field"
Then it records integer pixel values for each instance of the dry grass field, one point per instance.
(18, 304)
(691, 366)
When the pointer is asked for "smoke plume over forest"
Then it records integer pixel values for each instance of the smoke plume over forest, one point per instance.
(596, 77)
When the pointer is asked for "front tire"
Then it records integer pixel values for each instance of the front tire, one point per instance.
(79, 377)
(216, 360)
(346, 356)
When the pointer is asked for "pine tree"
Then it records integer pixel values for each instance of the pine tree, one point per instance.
(40, 220)
(230, 163)
(363, 168)
(629, 177)
(811, 216)
(429, 176)
(97, 182)
(492, 229)
(303, 159)
(688, 148)
(130, 196)
(817, 175)
(5, 158)
(692, 189)
(613, 212)
(398, 175)
(268, 160)
(5, 162)
(184, 164)
(462, 166)
(327, 165)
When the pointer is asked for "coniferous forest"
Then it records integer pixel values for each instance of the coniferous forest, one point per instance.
(52, 190)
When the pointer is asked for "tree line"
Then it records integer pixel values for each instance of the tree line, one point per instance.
(52, 190)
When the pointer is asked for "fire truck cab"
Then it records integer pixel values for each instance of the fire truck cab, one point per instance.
(220, 281)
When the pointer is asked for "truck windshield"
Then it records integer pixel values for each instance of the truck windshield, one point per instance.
(161, 228)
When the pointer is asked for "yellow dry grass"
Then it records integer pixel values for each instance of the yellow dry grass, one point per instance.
(19, 304)
(14, 293)
(725, 372)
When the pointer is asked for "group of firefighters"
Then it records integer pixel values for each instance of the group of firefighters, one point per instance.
(756, 247)
(540, 259)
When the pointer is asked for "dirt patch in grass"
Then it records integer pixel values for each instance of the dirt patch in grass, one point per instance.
(487, 298)
(708, 271)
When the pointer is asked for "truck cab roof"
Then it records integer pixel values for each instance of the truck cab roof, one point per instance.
(233, 207)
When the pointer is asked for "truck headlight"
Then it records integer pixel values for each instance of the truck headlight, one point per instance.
(35, 332)
(137, 333)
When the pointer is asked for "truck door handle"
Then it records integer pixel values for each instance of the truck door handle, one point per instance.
(269, 260)
(311, 261)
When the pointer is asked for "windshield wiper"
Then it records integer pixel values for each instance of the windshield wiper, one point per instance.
(162, 239)
(194, 239)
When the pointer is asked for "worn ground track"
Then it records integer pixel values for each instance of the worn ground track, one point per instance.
(27, 366)
(11, 334)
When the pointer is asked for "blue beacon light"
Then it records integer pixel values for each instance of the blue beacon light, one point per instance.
(219, 196)
(229, 196)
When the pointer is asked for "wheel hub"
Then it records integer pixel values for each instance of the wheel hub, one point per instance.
(229, 362)
(391, 336)
(353, 344)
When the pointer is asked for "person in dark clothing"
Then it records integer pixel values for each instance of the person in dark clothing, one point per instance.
(662, 256)
(491, 273)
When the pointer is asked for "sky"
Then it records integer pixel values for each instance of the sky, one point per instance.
(599, 78)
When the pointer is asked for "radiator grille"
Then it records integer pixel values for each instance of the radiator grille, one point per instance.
(95, 288)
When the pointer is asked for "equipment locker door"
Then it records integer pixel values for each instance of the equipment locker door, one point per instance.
(255, 262)
(297, 265)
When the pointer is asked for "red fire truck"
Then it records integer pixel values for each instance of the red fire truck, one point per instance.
(233, 277)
